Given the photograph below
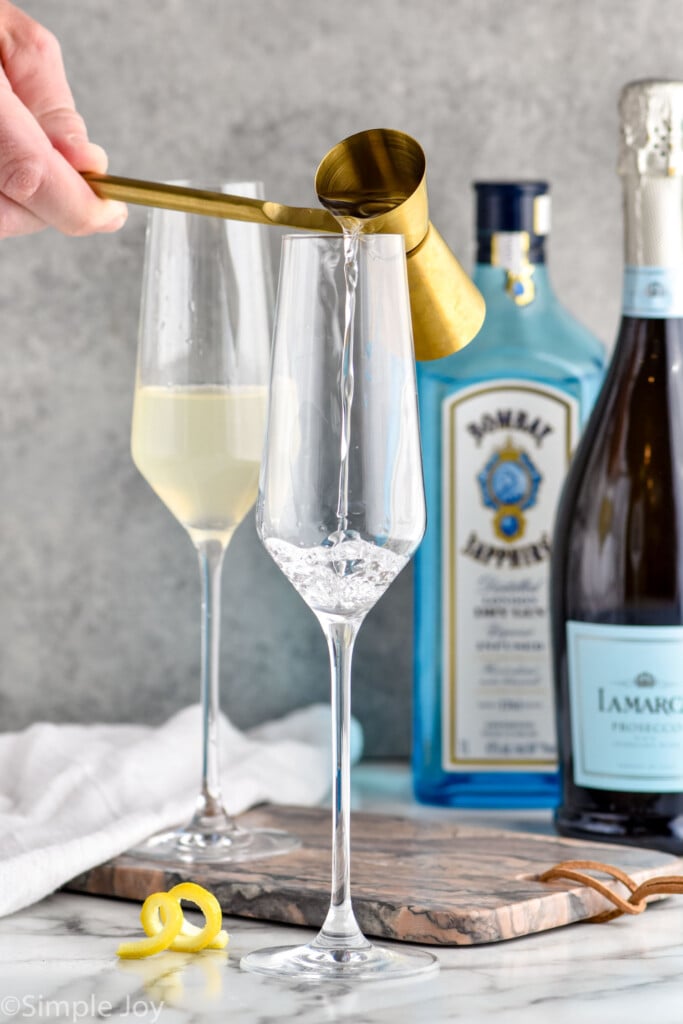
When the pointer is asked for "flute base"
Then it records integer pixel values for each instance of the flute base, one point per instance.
(225, 844)
(317, 963)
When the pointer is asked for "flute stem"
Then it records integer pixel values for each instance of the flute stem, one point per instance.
(340, 928)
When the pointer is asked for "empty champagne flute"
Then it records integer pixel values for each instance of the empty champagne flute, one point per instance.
(197, 436)
(341, 509)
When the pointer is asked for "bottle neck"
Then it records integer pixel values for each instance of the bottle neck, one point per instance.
(502, 247)
(653, 246)
(517, 263)
(502, 292)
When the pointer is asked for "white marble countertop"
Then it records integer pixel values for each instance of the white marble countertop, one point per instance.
(58, 963)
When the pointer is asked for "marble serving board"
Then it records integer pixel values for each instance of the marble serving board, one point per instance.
(421, 881)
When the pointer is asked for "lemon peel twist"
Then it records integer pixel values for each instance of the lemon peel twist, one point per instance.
(166, 928)
(191, 939)
(161, 939)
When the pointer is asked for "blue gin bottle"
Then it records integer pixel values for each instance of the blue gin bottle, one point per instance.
(500, 421)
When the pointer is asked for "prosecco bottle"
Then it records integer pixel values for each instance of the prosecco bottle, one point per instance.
(617, 565)
(500, 421)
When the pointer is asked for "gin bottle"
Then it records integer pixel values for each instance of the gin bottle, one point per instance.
(618, 561)
(499, 424)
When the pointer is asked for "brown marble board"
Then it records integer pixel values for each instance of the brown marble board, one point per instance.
(413, 880)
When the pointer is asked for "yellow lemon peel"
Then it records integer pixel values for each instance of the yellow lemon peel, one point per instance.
(163, 921)
(220, 942)
(191, 939)
(160, 940)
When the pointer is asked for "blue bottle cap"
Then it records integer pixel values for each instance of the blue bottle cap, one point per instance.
(512, 206)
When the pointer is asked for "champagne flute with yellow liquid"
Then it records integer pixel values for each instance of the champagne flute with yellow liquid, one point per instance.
(198, 424)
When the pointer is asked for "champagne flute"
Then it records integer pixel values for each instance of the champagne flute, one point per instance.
(341, 509)
(197, 436)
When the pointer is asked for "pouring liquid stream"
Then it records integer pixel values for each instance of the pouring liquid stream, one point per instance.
(351, 210)
(352, 229)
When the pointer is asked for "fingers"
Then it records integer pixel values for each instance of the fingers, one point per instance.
(37, 177)
(32, 61)
(15, 220)
(43, 140)
(66, 131)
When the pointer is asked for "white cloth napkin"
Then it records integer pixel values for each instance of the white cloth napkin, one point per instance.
(72, 796)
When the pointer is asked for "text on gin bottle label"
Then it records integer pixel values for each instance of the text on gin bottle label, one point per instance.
(506, 449)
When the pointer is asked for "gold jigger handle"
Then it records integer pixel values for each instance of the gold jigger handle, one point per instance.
(211, 204)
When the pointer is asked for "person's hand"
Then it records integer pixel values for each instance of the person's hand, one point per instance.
(43, 141)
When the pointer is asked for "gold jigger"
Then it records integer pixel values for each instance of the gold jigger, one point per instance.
(379, 178)
(376, 176)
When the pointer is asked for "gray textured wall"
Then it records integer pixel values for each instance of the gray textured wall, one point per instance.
(99, 594)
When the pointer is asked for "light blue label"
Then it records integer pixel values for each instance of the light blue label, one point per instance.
(653, 292)
(626, 701)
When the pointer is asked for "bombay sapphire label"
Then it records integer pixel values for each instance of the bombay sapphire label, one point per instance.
(626, 704)
(509, 484)
(506, 450)
(653, 292)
